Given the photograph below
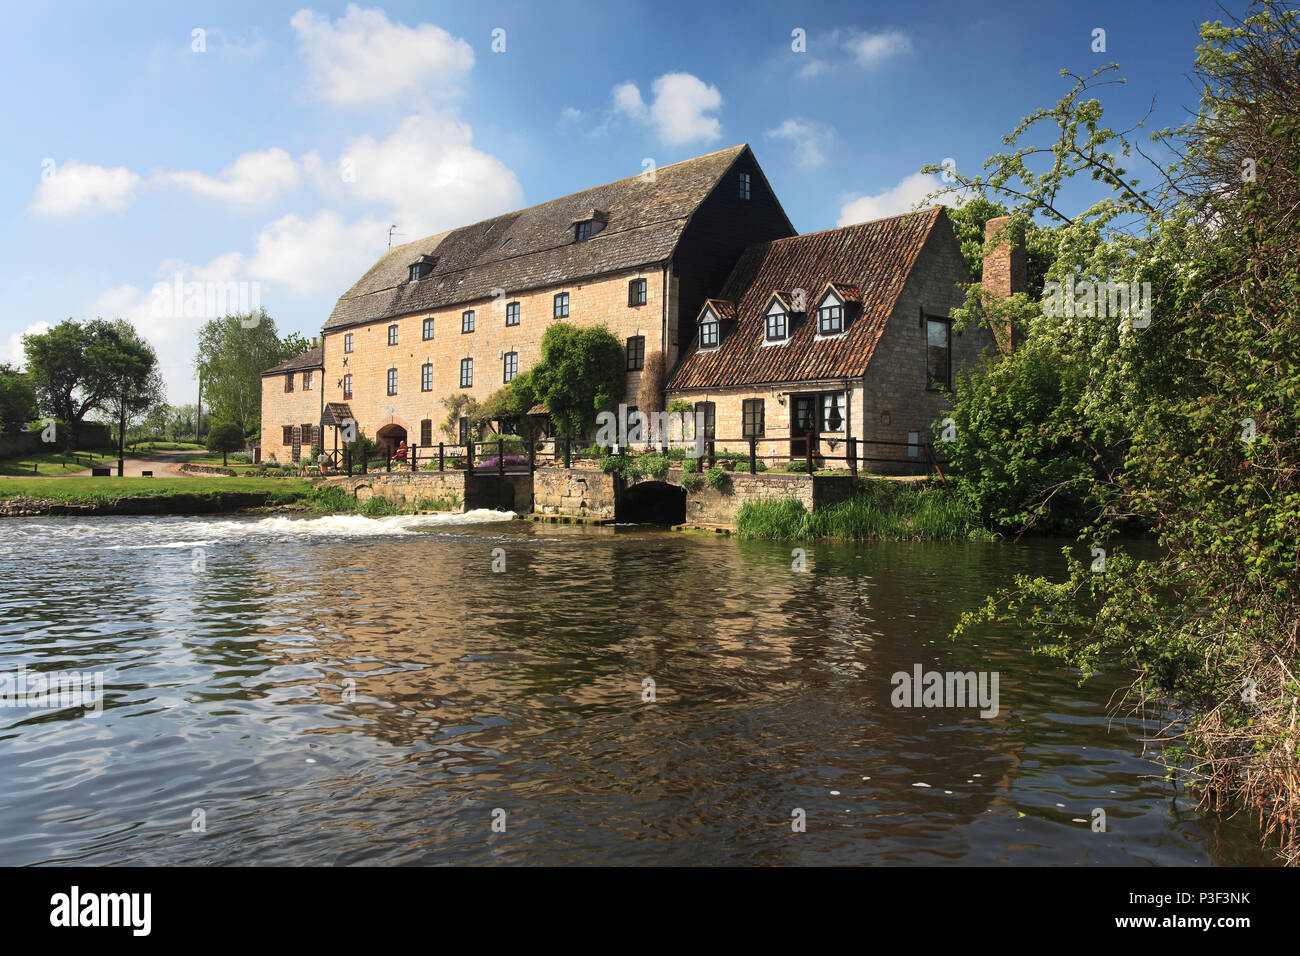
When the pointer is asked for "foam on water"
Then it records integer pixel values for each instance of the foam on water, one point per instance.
(142, 533)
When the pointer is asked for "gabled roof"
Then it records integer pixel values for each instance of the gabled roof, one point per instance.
(312, 358)
(335, 414)
(724, 310)
(847, 293)
(869, 264)
(644, 219)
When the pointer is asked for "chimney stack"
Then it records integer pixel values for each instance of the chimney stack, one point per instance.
(1004, 270)
(315, 341)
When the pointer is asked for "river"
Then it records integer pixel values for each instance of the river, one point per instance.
(462, 689)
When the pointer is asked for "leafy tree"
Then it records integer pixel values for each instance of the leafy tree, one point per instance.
(508, 405)
(233, 352)
(136, 384)
(1204, 389)
(17, 399)
(71, 368)
(1024, 457)
(581, 372)
(225, 438)
(459, 405)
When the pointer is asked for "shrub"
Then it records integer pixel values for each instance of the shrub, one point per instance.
(717, 478)
(655, 465)
(692, 482)
(744, 466)
(623, 465)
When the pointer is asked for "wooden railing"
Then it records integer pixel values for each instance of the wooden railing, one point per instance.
(504, 456)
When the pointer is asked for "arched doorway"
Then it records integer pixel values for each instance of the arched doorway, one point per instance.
(651, 502)
(389, 437)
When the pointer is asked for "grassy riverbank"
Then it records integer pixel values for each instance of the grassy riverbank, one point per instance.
(27, 497)
(880, 510)
(111, 488)
(54, 463)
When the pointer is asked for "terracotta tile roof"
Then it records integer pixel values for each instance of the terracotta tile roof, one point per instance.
(312, 358)
(721, 308)
(869, 264)
(847, 293)
(644, 221)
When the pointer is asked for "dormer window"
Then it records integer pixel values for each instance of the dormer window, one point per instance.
(714, 313)
(830, 316)
(778, 324)
(588, 224)
(421, 267)
(836, 306)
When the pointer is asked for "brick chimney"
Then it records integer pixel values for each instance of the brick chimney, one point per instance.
(1004, 271)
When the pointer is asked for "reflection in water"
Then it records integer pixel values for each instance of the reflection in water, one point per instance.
(346, 690)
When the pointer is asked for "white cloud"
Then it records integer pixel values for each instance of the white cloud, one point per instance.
(811, 140)
(680, 109)
(811, 68)
(866, 49)
(17, 356)
(363, 58)
(252, 177)
(901, 198)
(74, 186)
(319, 254)
(169, 313)
(428, 173)
(869, 49)
(627, 100)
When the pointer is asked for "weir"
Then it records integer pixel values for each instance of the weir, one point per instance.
(591, 494)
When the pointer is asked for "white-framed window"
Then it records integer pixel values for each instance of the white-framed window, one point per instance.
(709, 334)
(426, 378)
(426, 329)
(561, 306)
(467, 373)
(347, 342)
(832, 412)
(830, 316)
(512, 313)
(509, 366)
(392, 381)
(467, 321)
(778, 324)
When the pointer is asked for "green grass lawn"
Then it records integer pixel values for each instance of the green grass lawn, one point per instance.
(54, 463)
(91, 489)
(149, 447)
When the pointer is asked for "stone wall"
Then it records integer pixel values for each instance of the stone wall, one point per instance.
(587, 492)
(439, 490)
(896, 405)
(708, 507)
(300, 407)
(580, 492)
(600, 301)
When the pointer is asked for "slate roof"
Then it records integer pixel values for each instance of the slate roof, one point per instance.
(869, 264)
(312, 358)
(644, 221)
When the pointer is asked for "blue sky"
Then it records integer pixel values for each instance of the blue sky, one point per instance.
(278, 145)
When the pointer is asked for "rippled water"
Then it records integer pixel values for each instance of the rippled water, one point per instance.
(353, 690)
